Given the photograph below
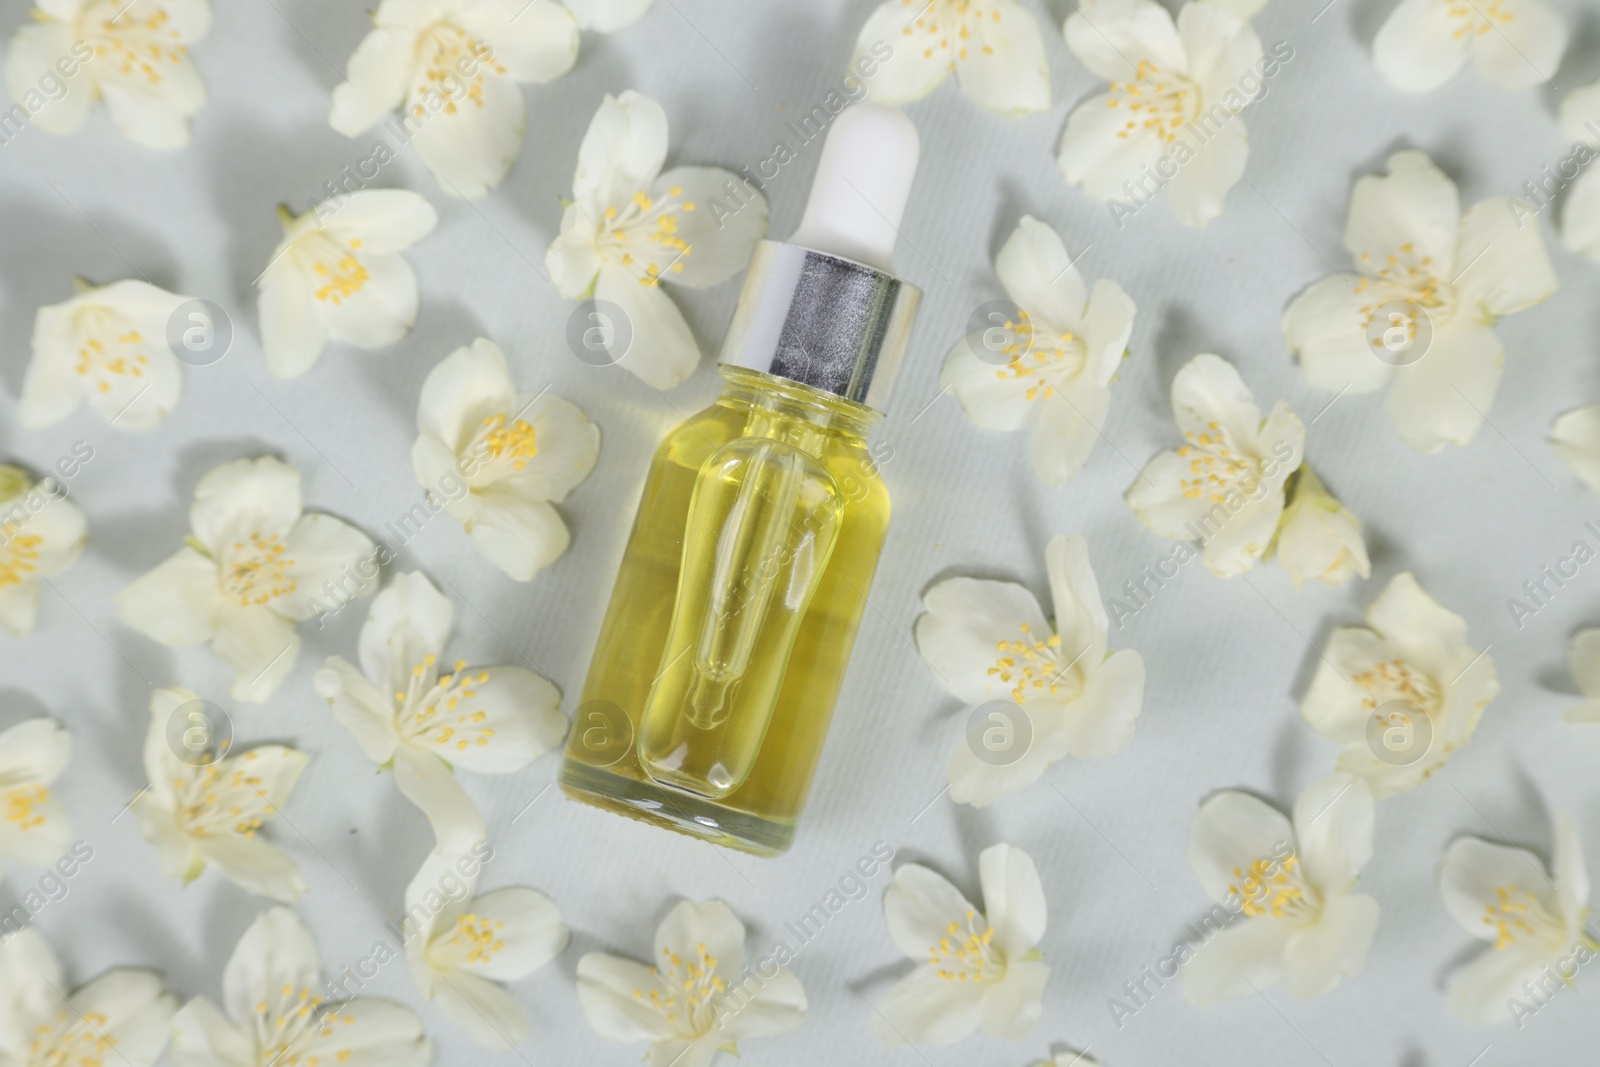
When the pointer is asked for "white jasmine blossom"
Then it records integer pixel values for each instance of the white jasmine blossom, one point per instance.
(629, 228)
(1402, 695)
(463, 948)
(1293, 883)
(989, 641)
(34, 827)
(1420, 313)
(1534, 923)
(1171, 114)
(454, 68)
(697, 998)
(1318, 539)
(974, 969)
(272, 1012)
(406, 714)
(994, 49)
(338, 275)
(1515, 44)
(107, 346)
(1051, 369)
(1225, 486)
(122, 1017)
(255, 565)
(42, 533)
(518, 454)
(209, 811)
(132, 54)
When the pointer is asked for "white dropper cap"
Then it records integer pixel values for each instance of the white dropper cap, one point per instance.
(863, 181)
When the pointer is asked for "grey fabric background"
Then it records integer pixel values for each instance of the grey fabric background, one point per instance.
(1227, 660)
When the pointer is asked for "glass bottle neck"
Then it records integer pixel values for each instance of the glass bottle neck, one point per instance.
(769, 396)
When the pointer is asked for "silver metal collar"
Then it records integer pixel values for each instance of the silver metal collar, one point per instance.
(830, 323)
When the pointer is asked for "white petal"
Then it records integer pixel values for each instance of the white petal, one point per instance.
(255, 864)
(32, 59)
(520, 536)
(360, 708)
(924, 1009)
(379, 72)
(1080, 615)
(1413, 212)
(1580, 216)
(34, 751)
(573, 258)
(1571, 872)
(1100, 152)
(1507, 268)
(203, 1037)
(1333, 704)
(533, 40)
(1481, 992)
(1231, 831)
(1004, 68)
(512, 718)
(1583, 660)
(176, 603)
(1418, 48)
(371, 1033)
(621, 153)
(721, 231)
(1199, 190)
(427, 782)
(245, 496)
(1040, 277)
(1522, 50)
(260, 645)
(19, 608)
(1243, 539)
(1239, 960)
(607, 16)
(1065, 432)
(329, 559)
(1107, 325)
(777, 1007)
(1420, 630)
(712, 924)
(981, 781)
(919, 907)
(408, 622)
(385, 221)
(606, 992)
(293, 332)
(1336, 947)
(1324, 327)
(1162, 503)
(991, 398)
(965, 623)
(276, 950)
(662, 350)
(527, 929)
(1444, 397)
(1012, 1009)
(1101, 720)
(909, 72)
(1013, 899)
(1112, 37)
(469, 385)
(1333, 823)
(490, 1015)
(471, 149)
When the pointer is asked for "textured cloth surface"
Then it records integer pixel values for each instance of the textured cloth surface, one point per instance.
(1227, 660)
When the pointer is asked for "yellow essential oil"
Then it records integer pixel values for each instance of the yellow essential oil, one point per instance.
(753, 549)
(821, 512)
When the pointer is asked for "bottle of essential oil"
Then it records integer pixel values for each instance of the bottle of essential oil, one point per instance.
(754, 546)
